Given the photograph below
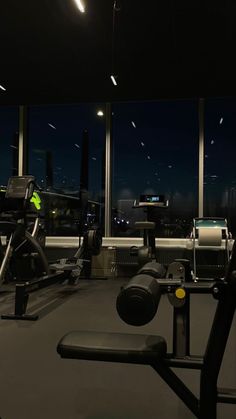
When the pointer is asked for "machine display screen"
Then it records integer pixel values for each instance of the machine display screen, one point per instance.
(152, 199)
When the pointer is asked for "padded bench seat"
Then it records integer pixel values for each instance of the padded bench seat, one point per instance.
(113, 347)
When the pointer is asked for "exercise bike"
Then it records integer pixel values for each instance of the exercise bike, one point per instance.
(149, 203)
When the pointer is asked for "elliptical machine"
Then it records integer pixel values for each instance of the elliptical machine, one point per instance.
(21, 188)
(24, 255)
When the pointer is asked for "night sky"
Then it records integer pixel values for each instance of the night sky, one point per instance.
(155, 151)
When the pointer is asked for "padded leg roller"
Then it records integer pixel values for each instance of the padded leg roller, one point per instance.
(138, 301)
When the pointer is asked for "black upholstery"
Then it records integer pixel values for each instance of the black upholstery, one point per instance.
(144, 225)
(113, 347)
(154, 269)
(138, 301)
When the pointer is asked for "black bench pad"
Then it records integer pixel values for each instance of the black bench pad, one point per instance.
(113, 347)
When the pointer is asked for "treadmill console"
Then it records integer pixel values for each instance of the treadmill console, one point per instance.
(152, 200)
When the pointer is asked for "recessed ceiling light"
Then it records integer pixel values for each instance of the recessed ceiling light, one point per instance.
(52, 126)
(113, 80)
(80, 5)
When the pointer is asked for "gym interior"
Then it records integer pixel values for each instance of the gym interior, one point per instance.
(117, 210)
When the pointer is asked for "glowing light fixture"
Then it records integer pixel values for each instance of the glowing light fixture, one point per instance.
(100, 113)
(77, 145)
(80, 5)
(2, 88)
(212, 142)
(132, 122)
(221, 120)
(142, 144)
(113, 80)
(52, 126)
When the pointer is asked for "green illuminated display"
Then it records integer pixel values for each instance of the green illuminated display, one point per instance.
(36, 200)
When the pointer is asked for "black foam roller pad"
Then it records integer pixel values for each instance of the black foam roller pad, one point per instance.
(154, 269)
(138, 301)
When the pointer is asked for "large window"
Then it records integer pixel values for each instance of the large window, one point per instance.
(155, 152)
(66, 154)
(9, 122)
(220, 174)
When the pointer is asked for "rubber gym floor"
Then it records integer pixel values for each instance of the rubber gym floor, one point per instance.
(35, 383)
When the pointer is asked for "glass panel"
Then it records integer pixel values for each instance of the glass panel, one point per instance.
(9, 125)
(219, 175)
(155, 152)
(66, 155)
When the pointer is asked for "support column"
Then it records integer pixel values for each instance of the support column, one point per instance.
(201, 158)
(23, 148)
(108, 172)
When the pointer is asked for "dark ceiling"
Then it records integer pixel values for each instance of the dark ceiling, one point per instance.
(52, 53)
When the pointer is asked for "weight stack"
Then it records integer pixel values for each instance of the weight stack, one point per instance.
(104, 264)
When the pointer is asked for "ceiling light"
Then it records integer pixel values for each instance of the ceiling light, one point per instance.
(2, 88)
(132, 122)
(77, 145)
(113, 80)
(52, 126)
(80, 5)
(142, 144)
(100, 113)
(221, 120)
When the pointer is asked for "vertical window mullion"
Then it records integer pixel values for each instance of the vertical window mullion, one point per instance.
(201, 160)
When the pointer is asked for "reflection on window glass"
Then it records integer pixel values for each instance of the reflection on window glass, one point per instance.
(9, 122)
(155, 152)
(66, 155)
(219, 159)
